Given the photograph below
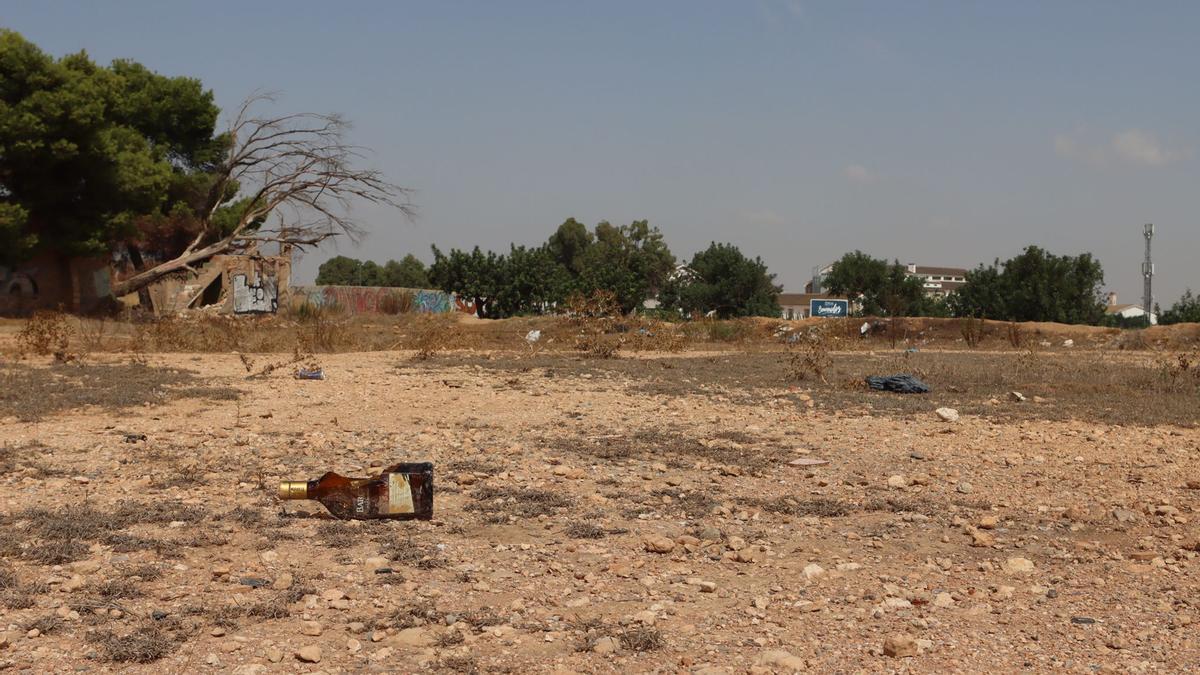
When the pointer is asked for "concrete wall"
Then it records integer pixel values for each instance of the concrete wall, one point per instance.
(375, 300)
(51, 282)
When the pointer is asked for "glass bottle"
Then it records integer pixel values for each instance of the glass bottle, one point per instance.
(403, 492)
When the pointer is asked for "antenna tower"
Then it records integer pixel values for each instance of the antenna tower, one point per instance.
(1148, 274)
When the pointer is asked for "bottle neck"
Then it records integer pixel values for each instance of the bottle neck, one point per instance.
(294, 489)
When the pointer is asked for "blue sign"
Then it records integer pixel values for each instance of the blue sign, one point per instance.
(829, 308)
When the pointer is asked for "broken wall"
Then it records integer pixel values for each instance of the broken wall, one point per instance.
(52, 282)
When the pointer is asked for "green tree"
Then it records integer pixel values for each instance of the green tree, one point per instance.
(1035, 286)
(569, 243)
(339, 271)
(89, 152)
(531, 281)
(370, 274)
(879, 287)
(721, 279)
(473, 275)
(410, 272)
(633, 261)
(1185, 310)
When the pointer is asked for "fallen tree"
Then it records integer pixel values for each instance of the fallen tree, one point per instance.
(298, 169)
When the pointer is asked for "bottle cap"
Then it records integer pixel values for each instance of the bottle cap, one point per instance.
(293, 489)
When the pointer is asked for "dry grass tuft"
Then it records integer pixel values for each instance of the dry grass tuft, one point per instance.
(501, 503)
(581, 530)
(822, 508)
(147, 644)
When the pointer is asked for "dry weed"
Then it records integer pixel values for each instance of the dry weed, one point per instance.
(808, 355)
(44, 333)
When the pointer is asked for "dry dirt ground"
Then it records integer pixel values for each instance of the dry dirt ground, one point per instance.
(669, 513)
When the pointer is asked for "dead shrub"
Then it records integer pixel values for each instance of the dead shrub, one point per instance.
(336, 534)
(92, 332)
(43, 624)
(1179, 372)
(822, 508)
(147, 644)
(414, 553)
(641, 639)
(44, 333)
(1016, 337)
(502, 503)
(431, 334)
(808, 355)
(323, 328)
(580, 530)
(594, 321)
(971, 329)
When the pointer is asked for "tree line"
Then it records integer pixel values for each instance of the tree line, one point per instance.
(631, 262)
(634, 264)
(1035, 285)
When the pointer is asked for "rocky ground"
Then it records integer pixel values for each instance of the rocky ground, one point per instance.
(588, 518)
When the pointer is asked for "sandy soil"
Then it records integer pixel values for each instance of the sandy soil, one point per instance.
(584, 522)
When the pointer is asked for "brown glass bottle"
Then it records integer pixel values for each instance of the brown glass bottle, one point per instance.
(403, 492)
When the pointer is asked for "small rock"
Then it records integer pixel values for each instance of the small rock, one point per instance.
(413, 637)
(989, 522)
(309, 654)
(313, 628)
(947, 414)
(965, 488)
(269, 556)
(283, 582)
(75, 583)
(747, 555)
(1125, 516)
(274, 654)
(353, 646)
(1018, 566)
(897, 481)
(813, 571)
(375, 563)
(786, 661)
(659, 544)
(707, 587)
(1083, 620)
(982, 539)
(899, 646)
(943, 600)
(607, 645)
(1016, 397)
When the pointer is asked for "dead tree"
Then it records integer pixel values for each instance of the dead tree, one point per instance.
(296, 167)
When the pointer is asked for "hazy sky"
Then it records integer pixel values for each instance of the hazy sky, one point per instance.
(945, 133)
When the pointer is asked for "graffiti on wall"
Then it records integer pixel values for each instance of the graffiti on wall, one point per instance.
(258, 297)
(375, 300)
(20, 284)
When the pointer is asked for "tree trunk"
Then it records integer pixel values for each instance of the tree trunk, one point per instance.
(143, 279)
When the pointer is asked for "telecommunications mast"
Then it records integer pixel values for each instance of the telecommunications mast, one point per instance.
(1148, 274)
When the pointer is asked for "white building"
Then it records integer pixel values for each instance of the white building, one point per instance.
(1127, 311)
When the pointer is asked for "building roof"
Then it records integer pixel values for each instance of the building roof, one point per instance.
(942, 271)
(801, 299)
(1116, 309)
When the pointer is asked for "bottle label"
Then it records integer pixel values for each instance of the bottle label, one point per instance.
(400, 498)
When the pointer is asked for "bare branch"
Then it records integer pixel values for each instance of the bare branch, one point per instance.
(297, 166)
